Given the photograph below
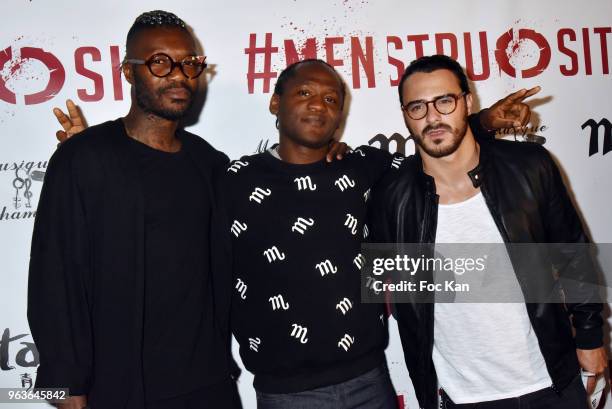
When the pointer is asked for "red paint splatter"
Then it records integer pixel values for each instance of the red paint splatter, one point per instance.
(15, 68)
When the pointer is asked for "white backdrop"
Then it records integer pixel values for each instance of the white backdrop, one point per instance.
(50, 51)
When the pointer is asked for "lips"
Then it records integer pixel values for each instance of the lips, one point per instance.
(313, 120)
(436, 133)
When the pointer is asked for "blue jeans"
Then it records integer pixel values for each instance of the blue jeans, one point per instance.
(372, 390)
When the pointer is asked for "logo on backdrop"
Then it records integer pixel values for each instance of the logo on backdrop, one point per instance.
(31, 64)
(19, 354)
(24, 178)
(527, 134)
(519, 52)
(57, 75)
(596, 136)
(384, 142)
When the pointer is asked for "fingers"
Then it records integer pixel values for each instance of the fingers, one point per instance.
(591, 383)
(61, 136)
(336, 151)
(72, 123)
(594, 361)
(73, 112)
(343, 148)
(64, 121)
(332, 151)
(524, 115)
(514, 112)
(522, 94)
(515, 95)
(531, 92)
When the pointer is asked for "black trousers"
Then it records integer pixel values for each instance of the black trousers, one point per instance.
(572, 397)
(223, 395)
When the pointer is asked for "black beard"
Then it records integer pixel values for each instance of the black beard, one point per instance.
(440, 153)
(147, 101)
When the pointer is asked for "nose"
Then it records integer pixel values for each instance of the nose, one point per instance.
(432, 113)
(316, 103)
(176, 73)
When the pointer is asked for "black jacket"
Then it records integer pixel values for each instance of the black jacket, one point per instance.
(86, 280)
(524, 191)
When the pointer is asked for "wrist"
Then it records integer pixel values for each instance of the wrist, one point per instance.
(482, 120)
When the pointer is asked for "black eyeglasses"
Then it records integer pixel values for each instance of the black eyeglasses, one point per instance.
(444, 104)
(161, 65)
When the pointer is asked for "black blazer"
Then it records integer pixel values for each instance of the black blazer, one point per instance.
(86, 278)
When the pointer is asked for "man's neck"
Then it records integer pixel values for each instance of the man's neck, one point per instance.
(450, 173)
(152, 130)
(291, 152)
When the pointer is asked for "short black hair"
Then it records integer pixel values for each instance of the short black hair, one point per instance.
(154, 19)
(432, 63)
(289, 73)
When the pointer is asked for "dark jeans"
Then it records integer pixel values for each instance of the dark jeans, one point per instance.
(372, 390)
(223, 395)
(572, 397)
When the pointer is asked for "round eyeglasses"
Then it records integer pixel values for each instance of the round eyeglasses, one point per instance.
(161, 65)
(444, 104)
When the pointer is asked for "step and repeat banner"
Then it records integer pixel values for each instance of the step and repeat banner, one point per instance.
(51, 51)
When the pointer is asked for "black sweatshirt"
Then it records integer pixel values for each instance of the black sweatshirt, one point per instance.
(177, 285)
(296, 236)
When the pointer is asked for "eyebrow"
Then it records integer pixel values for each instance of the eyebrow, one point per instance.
(167, 51)
(430, 100)
(313, 82)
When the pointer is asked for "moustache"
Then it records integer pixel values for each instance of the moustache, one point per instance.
(175, 86)
(435, 127)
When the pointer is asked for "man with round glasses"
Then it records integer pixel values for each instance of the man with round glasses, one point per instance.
(162, 65)
(121, 300)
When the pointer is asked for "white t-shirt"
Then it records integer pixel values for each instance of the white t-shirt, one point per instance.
(483, 351)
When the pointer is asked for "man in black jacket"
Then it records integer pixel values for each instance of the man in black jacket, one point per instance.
(121, 301)
(458, 190)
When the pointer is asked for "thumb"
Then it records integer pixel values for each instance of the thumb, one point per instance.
(61, 136)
